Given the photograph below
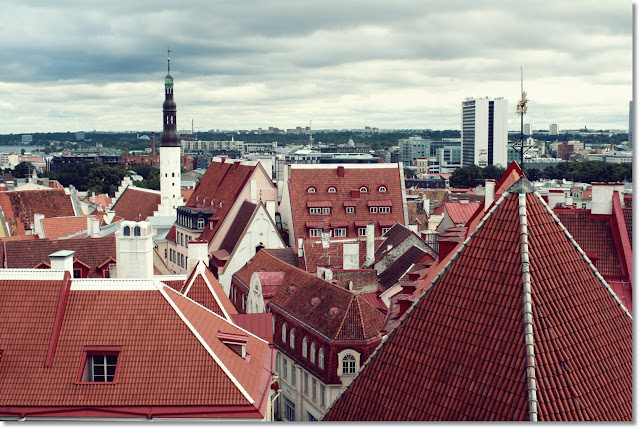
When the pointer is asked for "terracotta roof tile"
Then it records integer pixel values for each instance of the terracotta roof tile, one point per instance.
(19, 207)
(459, 354)
(628, 220)
(240, 222)
(354, 178)
(460, 213)
(137, 204)
(57, 227)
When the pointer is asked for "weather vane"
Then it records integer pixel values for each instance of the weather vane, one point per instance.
(169, 58)
(521, 110)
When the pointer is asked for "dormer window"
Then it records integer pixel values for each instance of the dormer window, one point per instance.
(315, 301)
(201, 223)
(99, 364)
(382, 189)
(333, 312)
(237, 343)
(363, 189)
(331, 190)
(311, 190)
(348, 365)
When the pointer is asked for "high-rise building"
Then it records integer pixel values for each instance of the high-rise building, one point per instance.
(553, 129)
(484, 131)
(409, 150)
(527, 129)
(171, 197)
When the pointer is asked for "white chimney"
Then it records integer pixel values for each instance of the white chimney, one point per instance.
(370, 244)
(490, 193)
(556, 196)
(412, 227)
(134, 249)
(93, 227)
(62, 260)
(619, 187)
(328, 274)
(601, 198)
(37, 224)
(198, 251)
(426, 205)
(350, 256)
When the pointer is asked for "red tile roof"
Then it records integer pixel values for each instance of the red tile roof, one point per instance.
(137, 204)
(90, 251)
(162, 366)
(354, 178)
(315, 255)
(459, 352)
(57, 227)
(19, 207)
(101, 200)
(203, 288)
(259, 324)
(460, 213)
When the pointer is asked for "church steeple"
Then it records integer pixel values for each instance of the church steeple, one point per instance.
(169, 129)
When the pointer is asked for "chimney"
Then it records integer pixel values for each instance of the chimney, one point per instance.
(153, 143)
(412, 227)
(93, 227)
(62, 260)
(370, 244)
(489, 193)
(619, 187)
(556, 196)
(328, 274)
(300, 248)
(602, 198)
(37, 225)
(198, 251)
(350, 256)
(235, 165)
(340, 171)
(426, 205)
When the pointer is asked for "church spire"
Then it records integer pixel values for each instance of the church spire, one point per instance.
(169, 110)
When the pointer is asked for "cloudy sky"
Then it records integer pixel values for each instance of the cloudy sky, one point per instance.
(71, 65)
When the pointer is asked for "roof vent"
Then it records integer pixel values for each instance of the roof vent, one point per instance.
(315, 301)
(291, 289)
(333, 312)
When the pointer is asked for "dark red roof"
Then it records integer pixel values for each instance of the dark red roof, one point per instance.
(137, 204)
(18, 207)
(90, 251)
(259, 324)
(240, 222)
(203, 288)
(163, 368)
(354, 178)
(459, 353)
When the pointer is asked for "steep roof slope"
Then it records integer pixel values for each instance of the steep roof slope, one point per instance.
(460, 213)
(19, 207)
(137, 204)
(203, 288)
(517, 326)
(57, 227)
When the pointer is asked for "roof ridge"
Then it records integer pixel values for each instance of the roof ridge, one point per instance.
(584, 255)
(527, 312)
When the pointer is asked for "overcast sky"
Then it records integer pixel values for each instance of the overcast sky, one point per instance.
(72, 65)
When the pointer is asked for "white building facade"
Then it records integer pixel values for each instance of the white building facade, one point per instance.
(484, 131)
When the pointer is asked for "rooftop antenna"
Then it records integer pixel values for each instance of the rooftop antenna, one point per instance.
(521, 110)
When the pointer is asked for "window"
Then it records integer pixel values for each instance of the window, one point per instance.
(277, 369)
(385, 230)
(304, 347)
(331, 190)
(126, 231)
(382, 189)
(348, 365)
(311, 190)
(313, 389)
(292, 338)
(322, 395)
(289, 410)
(102, 368)
(385, 210)
(340, 232)
(326, 210)
(200, 223)
(321, 359)
(313, 353)
(373, 209)
(165, 253)
(315, 210)
(351, 209)
(284, 333)
(363, 189)
(315, 232)
(77, 273)
(305, 383)
(285, 368)
(293, 374)
(136, 231)
(362, 231)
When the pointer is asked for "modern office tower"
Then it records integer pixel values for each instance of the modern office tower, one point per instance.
(527, 129)
(409, 150)
(553, 129)
(484, 131)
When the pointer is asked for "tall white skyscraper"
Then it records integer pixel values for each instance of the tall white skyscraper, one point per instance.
(553, 129)
(484, 131)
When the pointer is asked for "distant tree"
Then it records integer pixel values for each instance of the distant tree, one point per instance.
(22, 170)
(492, 172)
(469, 176)
(533, 174)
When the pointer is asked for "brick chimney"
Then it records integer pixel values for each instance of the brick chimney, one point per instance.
(153, 143)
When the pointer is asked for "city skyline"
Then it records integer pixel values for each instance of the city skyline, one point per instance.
(248, 66)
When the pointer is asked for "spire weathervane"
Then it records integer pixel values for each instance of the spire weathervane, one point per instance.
(169, 59)
(521, 110)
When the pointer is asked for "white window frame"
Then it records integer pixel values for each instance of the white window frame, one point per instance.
(100, 361)
(362, 232)
(312, 356)
(385, 230)
(315, 210)
(293, 374)
(348, 364)
(384, 209)
(315, 232)
(284, 333)
(363, 189)
(314, 389)
(304, 347)
(311, 190)
(326, 210)
(351, 209)
(305, 383)
(340, 232)
(285, 368)
(373, 209)
(322, 395)
(321, 358)
(289, 413)
(332, 190)
(292, 338)
(382, 189)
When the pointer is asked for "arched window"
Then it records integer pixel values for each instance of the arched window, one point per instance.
(292, 338)
(313, 353)
(136, 231)
(321, 359)
(304, 347)
(382, 189)
(363, 189)
(331, 190)
(126, 231)
(200, 223)
(348, 365)
(284, 333)
(311, 190)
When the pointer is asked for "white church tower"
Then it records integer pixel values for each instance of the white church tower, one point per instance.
(169, 153)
